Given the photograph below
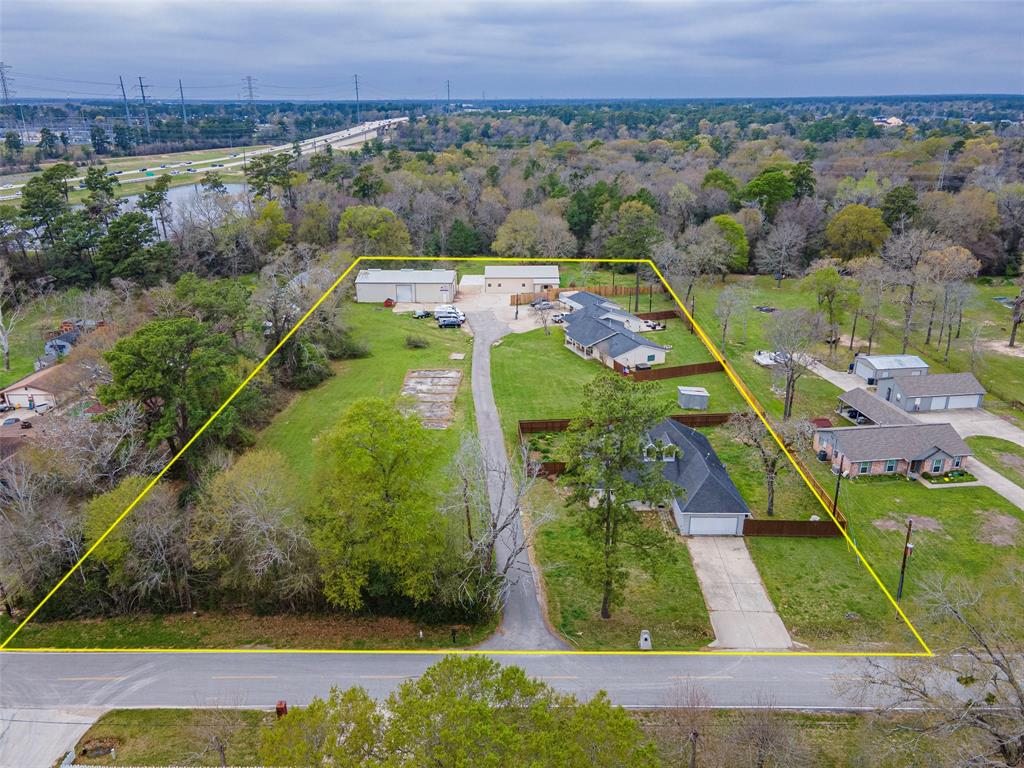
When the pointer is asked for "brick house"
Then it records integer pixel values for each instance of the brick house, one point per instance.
(903, 449)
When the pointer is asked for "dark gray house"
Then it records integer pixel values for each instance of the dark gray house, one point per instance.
(935, 392)
(60, 346)
(710, 504)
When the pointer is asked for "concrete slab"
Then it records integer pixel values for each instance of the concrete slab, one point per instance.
(37, 738)
(742, 615)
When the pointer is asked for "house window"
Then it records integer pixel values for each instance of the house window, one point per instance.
(936, 466)
(650, 358)
(865, 467)
(499, 285)
(890, 465)
(524, 285)
(898, 397)
(958, 461)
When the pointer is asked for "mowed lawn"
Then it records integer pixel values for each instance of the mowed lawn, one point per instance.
(1004, 457)
(670, 604)
(294, 431)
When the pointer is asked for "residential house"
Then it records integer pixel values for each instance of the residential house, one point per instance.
(935, 392)
(61, 345)
(50, 387)
(426, 286)
(609, 341)
(903, 449)
(602, 308)
(862, 407)
(708, 504)
(520, 278)
(874, 368)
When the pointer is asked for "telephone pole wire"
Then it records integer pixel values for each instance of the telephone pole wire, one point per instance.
(358, 118)
(124, 96)
(181, 94)
(145, 109)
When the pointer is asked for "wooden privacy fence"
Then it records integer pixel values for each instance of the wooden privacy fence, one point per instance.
(533, 426)
(672, 372)
(599, 290)
(819, 529)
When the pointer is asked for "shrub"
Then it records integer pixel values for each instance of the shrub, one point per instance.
(416, 342)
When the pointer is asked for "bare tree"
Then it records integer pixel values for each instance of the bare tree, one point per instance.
(748, 429)
(971, 698)
(793, 334)
(1018, 316)
(781, 251)
(541, 312)
(976, 348)
(904, 253)
(10, 312)
(729, 300)
(765, 738)
(872, 278)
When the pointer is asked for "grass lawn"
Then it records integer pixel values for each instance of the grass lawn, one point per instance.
(27, 340)
(294, 431)
(1004, 457)
(242, 630)
(670, 605)
(175, 736)
(969, 531)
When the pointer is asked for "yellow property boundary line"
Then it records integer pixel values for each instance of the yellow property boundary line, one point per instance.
(5, 647)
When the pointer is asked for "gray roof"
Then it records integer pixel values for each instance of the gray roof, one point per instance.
(536, 271)
(875, 408)
(698, 471)
(911, 442)
(588, 299)
(938, 384)
(420, 276)
(587, 330)
(892, 362)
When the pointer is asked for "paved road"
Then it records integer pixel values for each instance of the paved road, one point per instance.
(523, 625)
(741, 612)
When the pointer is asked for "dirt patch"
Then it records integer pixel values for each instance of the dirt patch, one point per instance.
(1012, 460)
(999, 347)
(920, 524)
(433, 392)
(997, 529)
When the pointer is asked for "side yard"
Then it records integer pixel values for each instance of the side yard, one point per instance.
(1004, 457)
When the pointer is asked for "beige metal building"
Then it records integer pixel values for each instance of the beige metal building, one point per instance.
(426, 286)
(520, 278)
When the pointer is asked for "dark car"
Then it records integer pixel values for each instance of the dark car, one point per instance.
(419, 314)
(26, 425)
(449, 321)
(4, 407)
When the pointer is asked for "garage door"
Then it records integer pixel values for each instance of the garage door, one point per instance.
(963, 401)
(404, 292)
(712, 526)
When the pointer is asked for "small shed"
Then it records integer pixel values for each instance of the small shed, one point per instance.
(424, 286)
(874, 368)
(693, 398)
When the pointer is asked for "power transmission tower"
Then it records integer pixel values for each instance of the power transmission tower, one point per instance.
(448, 86)
(145, 109)
(249, 79)
(127, 111)
(181, 94)
(7, 91)
(358, 118)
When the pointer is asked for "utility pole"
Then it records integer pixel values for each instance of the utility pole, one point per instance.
(249, 79)
(145, 109)
(358, 118)
(908, 550)
(636, 291)
(181, 95)
(124, 96)
(448, 86)
(835, 496)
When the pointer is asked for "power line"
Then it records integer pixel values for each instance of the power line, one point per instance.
(252, 105)
(181, 93)
(356, 78)
(124, 96)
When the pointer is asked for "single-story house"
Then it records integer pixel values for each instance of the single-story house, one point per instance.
(60, 346)
(874, 368)
(935, 392)
(601, 308)
(892, 449)
(32, 391)
(520, 278)
(609, 341)
(426, 286)
(710, 504)
(862, 407)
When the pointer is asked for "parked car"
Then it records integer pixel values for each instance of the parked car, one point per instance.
(542, 304)
(26, 425)
(419, 314)
(44, 407)
(4, 407)
(558, 317)
(449, 321)
(10, 422)
(448, 309)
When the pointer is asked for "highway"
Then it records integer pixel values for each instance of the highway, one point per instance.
(339, 139)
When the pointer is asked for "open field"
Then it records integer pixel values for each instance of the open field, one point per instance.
(1004, 457)
(27, 340)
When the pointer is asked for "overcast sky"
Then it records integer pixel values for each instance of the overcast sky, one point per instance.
(306, 49)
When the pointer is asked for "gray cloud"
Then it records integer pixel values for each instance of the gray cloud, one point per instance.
(309, 49)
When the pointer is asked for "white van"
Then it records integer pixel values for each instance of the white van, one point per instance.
(449, 309)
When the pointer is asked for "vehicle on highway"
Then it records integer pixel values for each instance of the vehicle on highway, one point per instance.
(143, 170)
(192, 170)
(6, 186)
(187, 162)
(163, 166)
(449, 321)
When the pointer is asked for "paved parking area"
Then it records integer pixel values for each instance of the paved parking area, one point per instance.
(741, 612)
(498, 304)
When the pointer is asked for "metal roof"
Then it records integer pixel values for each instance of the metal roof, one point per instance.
(939, 384)
(536, 271)
(419, 276)
(892, 362)
(911, 442)
(875, 408)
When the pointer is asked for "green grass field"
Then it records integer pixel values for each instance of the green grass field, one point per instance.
(1004, 457)
(27, 340)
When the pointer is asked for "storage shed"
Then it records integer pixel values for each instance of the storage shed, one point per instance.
(874, 368)
(693, 398)
(424, 286)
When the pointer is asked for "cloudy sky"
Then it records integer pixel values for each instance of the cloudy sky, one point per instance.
(554, 49)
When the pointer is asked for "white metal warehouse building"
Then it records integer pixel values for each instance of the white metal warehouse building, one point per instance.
(426, 286)
(520, 278)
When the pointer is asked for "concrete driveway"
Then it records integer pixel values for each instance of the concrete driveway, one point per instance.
(974, 421)
(1010, 491)
(845, 381)
(741, 612)
(32, 737)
